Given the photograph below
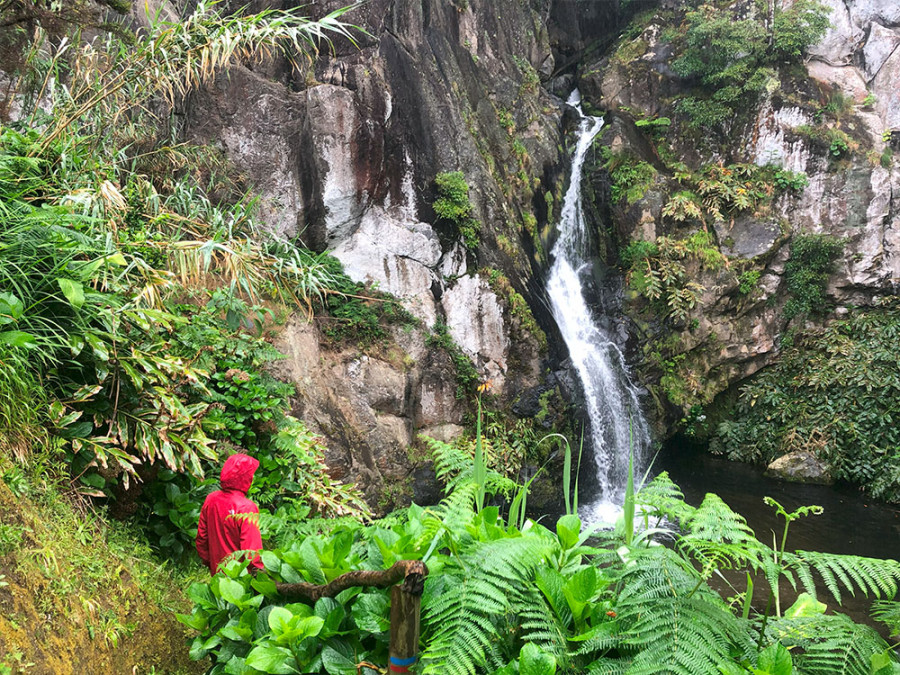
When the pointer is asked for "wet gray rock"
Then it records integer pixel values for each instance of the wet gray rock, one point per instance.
(800, 467)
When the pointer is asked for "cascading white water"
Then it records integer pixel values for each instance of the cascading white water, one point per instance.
(611, 398)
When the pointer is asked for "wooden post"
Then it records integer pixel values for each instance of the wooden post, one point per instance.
(404, 649)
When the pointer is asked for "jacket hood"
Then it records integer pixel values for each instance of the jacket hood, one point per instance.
(237, 472)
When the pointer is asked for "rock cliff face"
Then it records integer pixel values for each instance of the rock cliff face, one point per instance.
(731, 334)
(344, 154)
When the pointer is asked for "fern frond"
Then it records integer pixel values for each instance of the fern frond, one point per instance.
(872, 576)
(539, 623)
(464, 610)
(825, 645)
(605, 666)
(715, 521)
(673, 621)
(888, 613)
(664, 497)
(450, 461)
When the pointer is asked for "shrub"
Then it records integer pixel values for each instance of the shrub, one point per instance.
(453, 205)
(806, 273)
(630, 177)
(834, 393)
(731, 58)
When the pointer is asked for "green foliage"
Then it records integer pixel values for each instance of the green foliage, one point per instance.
(717, 192)
(503, 599)
(806, 273)
(790, 181)
(467, 377)
(835, 394)
(658, 270)
(357, 315)
(453, 204)
(516, 304)
(748, 282)
(833, 140)
(731, 58)
(630, 178)
(123, 374)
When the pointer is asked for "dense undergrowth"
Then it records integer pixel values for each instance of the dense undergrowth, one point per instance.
(507, 595)
(836, 394)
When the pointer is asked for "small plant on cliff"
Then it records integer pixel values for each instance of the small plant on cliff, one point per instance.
(718, 192)
(467, 377)
(658, 270)
(630, 178)
(453, 205)
(806, 273)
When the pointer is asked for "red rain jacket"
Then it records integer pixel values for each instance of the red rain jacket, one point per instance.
(220, 533)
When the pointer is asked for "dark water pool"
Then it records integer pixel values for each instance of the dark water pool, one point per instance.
(852, 523)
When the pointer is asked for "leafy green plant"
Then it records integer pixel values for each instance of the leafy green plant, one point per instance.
(834, 141)
(467, 376)
(748, 282)
(835, 394)
(500, 597)
(812, 261)
(630, 178)
(732, 58)
(657, 270)
(453, 204)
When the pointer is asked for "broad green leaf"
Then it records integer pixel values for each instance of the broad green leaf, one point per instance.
(237, 633)
(231, 591)
(567, 529)
(201, 594)
(336, 663)
(271, 561)
(73, 291)
(101, 351)
(535, 661)
(198, 621)
(11, 308)
(273, 660)
(370, 612)
(279, 619)
(884, 664)
(775, 660)
(806, 605)
(18, 338)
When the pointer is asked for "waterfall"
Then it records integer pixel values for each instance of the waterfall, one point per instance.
(611, 399)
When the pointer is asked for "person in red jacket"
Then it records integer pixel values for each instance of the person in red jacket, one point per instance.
(229, 521)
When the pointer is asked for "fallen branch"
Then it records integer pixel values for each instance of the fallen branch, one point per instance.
(412, 572)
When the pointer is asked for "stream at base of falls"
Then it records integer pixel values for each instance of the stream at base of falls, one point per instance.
(852, 524)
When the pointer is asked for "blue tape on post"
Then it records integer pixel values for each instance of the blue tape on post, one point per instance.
(403, 662)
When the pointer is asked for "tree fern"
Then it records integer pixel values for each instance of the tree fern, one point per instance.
(872, 576)
(463, 610)
(828, 645)
(888, 613)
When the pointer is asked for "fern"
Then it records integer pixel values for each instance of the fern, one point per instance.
(450, 461)
(464, 609)
(454, 466)
(888, 613)
(664, 498)
(670, 620)
(539, 623)
(880, 578)
(826, 645)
